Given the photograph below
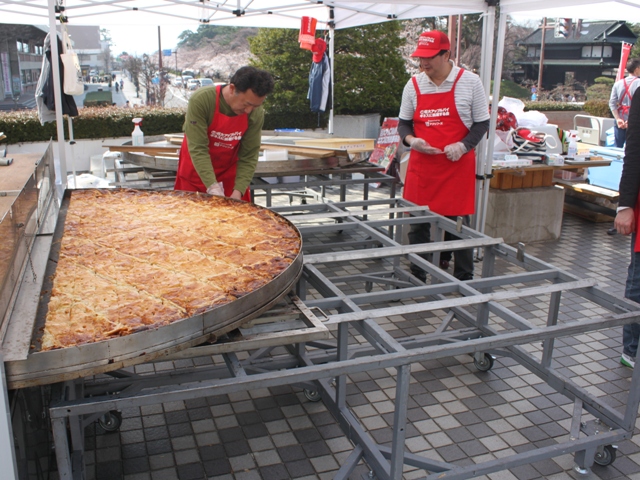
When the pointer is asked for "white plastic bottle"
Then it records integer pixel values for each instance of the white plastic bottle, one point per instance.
(572, 151)
(137, 137)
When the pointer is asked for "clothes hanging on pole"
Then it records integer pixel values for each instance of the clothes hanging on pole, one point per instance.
(320, 78)
(45, 98)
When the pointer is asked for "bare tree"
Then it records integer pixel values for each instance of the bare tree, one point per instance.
(134, 66)
(105, 37)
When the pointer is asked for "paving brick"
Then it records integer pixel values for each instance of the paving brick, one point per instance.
(191, 471)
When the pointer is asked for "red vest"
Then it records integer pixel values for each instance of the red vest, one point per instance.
(225, 134)
(446, 187)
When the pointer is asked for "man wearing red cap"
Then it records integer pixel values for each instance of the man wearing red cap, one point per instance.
(443, 116)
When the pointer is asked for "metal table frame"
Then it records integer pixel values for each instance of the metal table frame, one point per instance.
(366, 231)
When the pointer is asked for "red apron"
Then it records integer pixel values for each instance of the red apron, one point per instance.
(624, 109)
(225, 134)
(446, 187)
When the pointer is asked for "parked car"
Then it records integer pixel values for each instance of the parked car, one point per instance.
(177, 82)
(206, 82)
(193, 84)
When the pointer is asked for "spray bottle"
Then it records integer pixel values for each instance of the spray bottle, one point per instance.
(572, 151)
(137, 137)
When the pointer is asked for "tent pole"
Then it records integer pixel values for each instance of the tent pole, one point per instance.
(482, 187)
(61, 170)
(332, 31)
(497, 75)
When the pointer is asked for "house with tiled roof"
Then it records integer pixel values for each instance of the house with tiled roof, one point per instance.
(577, 50)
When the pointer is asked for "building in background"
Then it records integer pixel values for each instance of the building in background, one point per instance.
(21, 50)
(91, 51)
(575, 50)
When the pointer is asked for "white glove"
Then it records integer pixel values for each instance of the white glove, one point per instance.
(455, 151)
(215, 189)
(420, 145)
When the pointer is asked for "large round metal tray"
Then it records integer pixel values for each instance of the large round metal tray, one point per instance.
(41, 368)
(292, 166)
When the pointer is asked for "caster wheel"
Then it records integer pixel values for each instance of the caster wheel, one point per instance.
(110, 421)
(312, 395)
(485, 364)
(606, 457)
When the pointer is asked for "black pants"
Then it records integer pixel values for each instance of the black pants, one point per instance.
(463, 266)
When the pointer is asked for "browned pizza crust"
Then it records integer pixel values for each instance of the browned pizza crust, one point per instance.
(132, 260)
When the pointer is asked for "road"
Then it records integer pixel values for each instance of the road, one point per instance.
(176, 97)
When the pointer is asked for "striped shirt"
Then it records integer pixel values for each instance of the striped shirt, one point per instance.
(471, 100)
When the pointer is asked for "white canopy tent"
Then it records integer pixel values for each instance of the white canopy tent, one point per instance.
(247, 13)
(628, 10)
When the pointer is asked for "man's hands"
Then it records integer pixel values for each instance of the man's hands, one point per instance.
(455, 151)
(621, 123)
(625, 222)
(216, 189)
(420, 145)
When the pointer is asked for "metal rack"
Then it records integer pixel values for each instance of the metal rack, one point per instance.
(356, 285)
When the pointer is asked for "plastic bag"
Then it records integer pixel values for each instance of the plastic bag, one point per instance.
(73, 79)
(529, 119)
(512, 105)
(532, 119)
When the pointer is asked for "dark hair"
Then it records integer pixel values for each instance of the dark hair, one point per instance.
(633, 64)
(259, 81)
(442, 52)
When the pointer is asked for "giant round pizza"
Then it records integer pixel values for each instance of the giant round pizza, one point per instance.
(131, 260)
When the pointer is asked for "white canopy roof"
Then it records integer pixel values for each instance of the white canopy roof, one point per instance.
(248, 13)
(628, 10)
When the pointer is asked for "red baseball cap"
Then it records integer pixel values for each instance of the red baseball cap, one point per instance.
(318, 49)
(431, 43)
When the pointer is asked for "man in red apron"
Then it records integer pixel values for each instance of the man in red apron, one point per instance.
(627, 223)
(222, 135)
(620, 100)
(443, 116)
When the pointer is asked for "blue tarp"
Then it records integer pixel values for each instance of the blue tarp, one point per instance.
(607, 177)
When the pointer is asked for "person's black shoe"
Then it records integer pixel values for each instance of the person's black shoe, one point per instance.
(419, 274)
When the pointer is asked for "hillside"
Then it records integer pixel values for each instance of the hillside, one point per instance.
(215, 52)
(213, 60)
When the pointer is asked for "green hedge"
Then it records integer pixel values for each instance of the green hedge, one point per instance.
(598, 108)
(553, 106)
(108, 122)
(91, 123)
